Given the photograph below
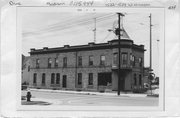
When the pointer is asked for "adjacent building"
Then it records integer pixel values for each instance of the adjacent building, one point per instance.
(88, 67)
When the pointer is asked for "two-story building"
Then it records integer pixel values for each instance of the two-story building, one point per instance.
(88, 67)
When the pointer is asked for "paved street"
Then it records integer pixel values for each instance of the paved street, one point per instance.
(54, 98)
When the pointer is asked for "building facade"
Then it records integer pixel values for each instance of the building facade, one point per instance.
(88, 67)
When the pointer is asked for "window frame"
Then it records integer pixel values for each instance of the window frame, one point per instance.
(52, 78)
(79, 78)
(102, 62)
(56, 61)
(49, 62)
(64, 61)
(37, 63)
(135, 79)
(124, 57)
(35, 78)
(91, 60)
(79, 60)
(115, 59)
(90, 79)
(57, 78)
(43, 79)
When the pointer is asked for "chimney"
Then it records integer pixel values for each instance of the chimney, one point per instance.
(45, 48)
(66, 46)
(91, 43)
(32, 49)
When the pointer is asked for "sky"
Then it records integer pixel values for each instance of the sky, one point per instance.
(56, 29)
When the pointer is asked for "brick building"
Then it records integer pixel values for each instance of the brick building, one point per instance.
(88, 67)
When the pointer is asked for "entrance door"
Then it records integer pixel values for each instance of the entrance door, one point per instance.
(64, 81)
(122, 80)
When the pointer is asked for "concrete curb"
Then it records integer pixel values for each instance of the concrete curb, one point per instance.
(90, 93)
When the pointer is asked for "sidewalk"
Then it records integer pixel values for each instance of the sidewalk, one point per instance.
(122, 94)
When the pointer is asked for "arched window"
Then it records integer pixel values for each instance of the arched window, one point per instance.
(52, 78)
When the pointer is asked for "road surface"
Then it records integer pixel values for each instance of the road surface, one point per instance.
(53, 98)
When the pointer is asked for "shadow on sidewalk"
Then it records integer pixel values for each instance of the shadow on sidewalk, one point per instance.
(23, 102)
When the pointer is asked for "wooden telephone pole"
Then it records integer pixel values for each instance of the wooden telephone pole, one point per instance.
(119, 50)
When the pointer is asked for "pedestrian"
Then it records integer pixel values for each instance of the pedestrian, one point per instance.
(28, 96)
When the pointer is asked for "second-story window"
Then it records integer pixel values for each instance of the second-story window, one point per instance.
(133, 60)
(65, 62)
(124, 59)
(49, 63)
(102, 60)
(79, 60)
(56, 62)
(91, 60)
(115, 58)
(37, 63)
(140, 62)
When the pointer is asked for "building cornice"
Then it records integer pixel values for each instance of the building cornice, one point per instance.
(91, 46)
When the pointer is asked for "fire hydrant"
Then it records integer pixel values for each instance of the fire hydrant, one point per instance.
(28, 96)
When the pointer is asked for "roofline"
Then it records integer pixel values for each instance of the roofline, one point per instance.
(91, 46)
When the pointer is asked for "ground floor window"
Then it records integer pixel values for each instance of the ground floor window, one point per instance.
(34, 78)
(57, 78)
(64, 80)
(90, 81)
(140, 79)
(79, 78)
(43, 78)
(135, 81)
(52, 78)
(104, 79)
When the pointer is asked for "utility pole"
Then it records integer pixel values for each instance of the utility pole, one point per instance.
(94, 30)
(150, 53)
(119, 50)
(150, 43)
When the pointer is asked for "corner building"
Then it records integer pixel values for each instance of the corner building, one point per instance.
(88, 67)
